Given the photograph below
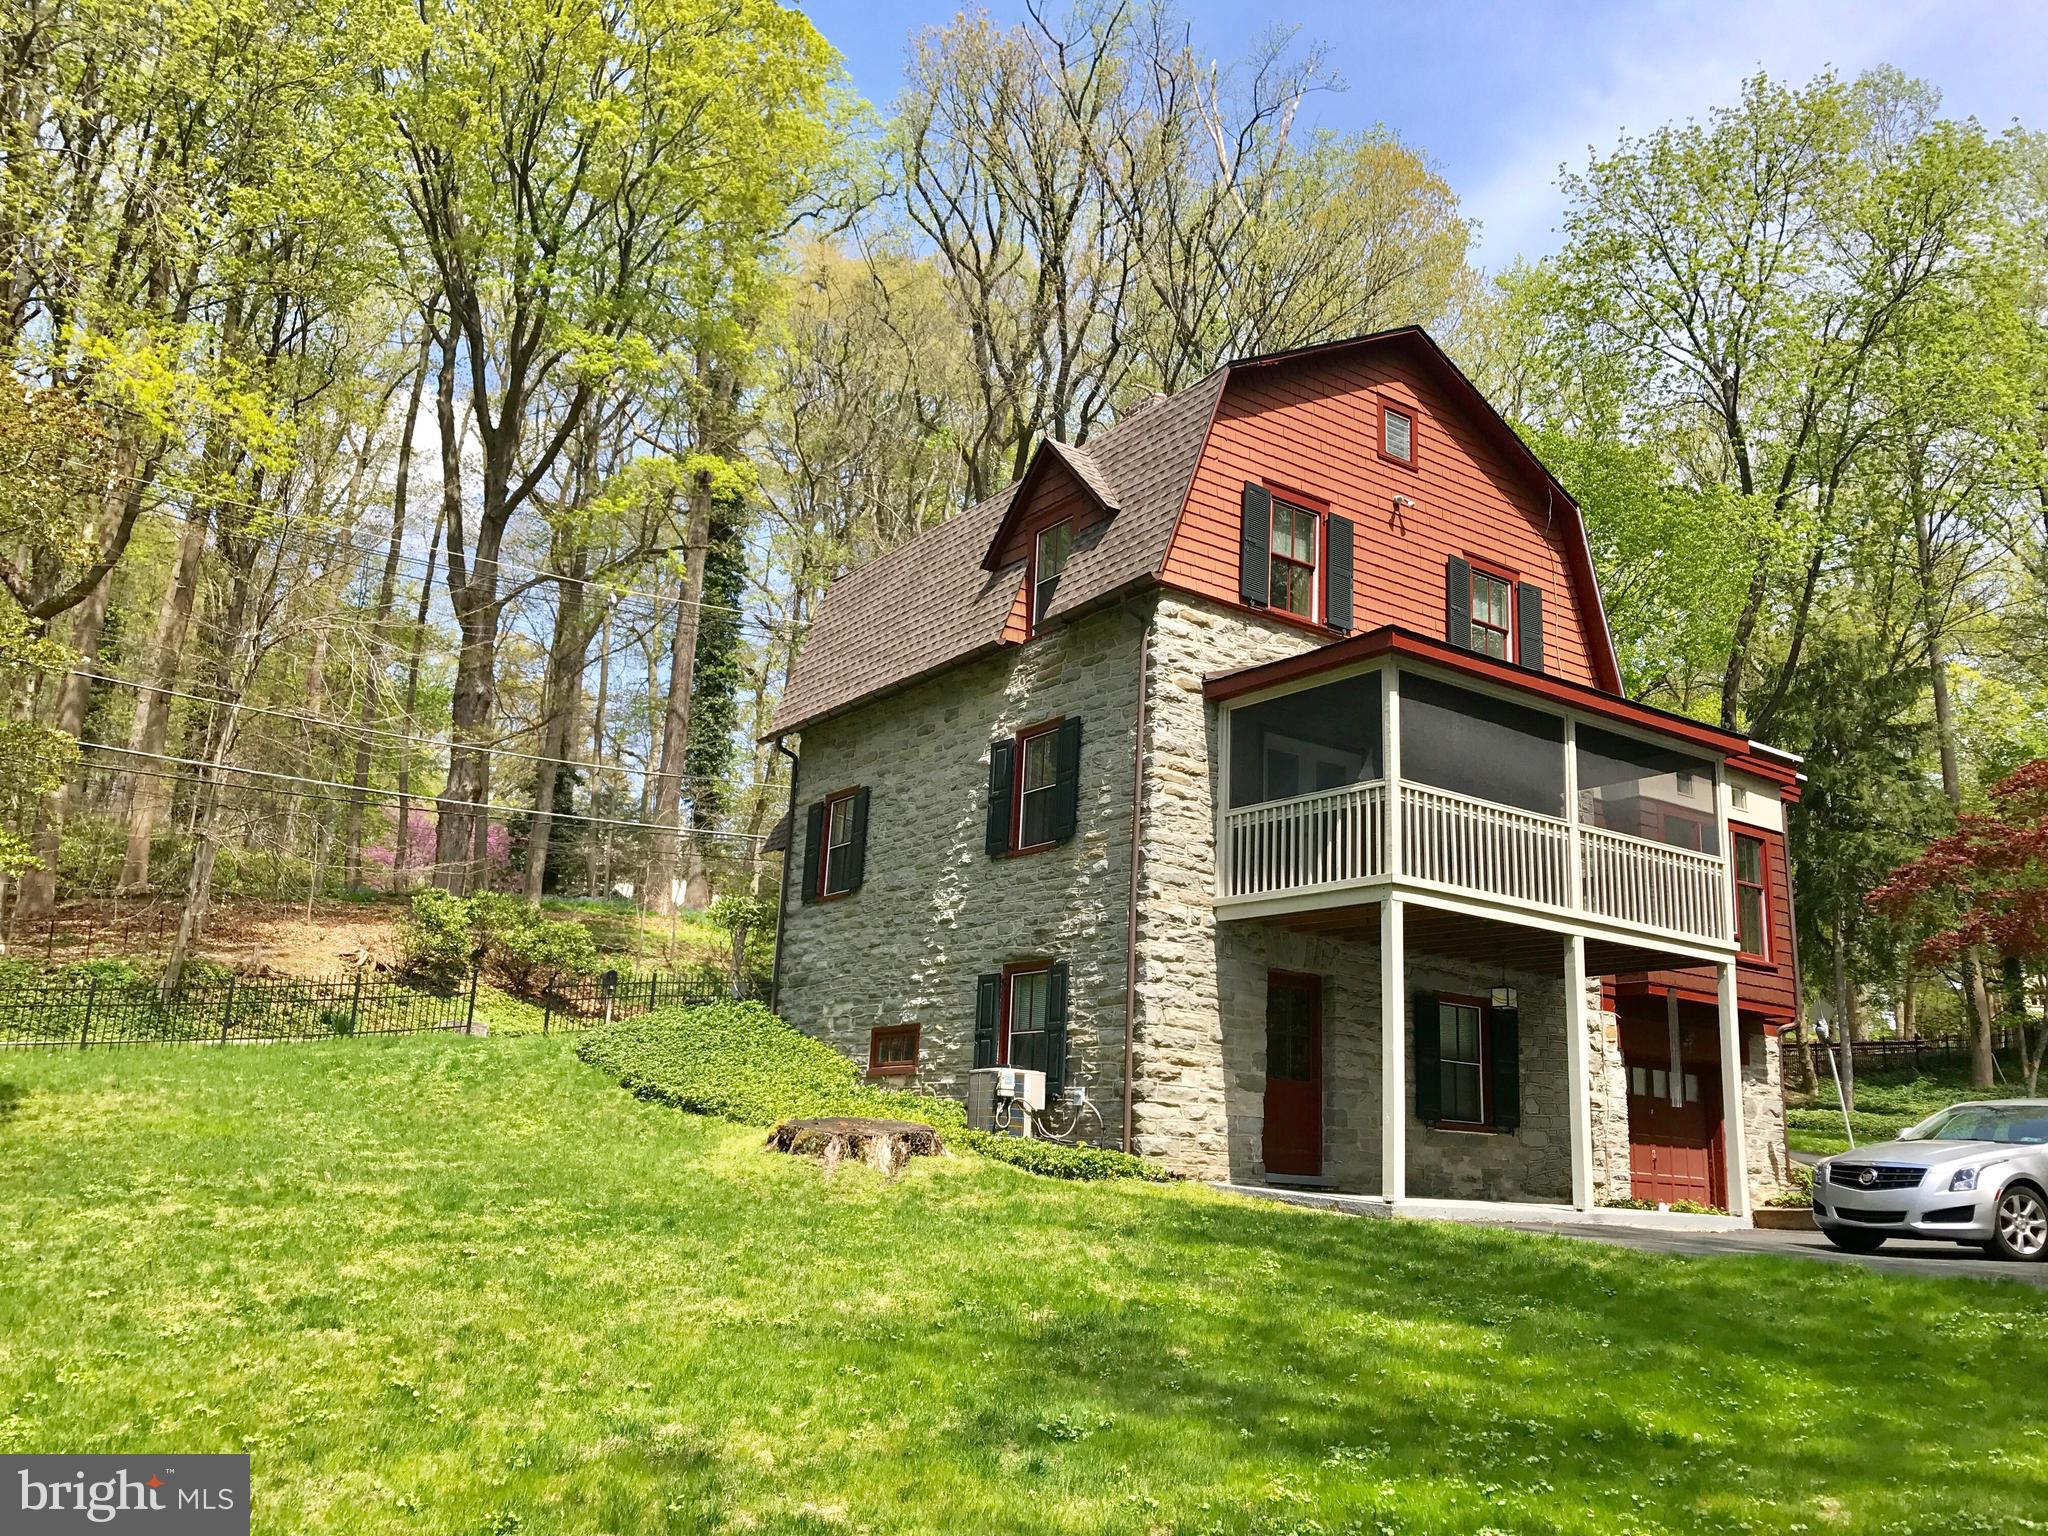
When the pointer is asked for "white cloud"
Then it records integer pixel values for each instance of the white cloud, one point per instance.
(1665, 65)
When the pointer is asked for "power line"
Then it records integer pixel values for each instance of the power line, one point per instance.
(358, 730)
(392, 794)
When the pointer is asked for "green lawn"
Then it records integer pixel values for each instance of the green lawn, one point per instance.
(1886, 1103)
(469, 1286)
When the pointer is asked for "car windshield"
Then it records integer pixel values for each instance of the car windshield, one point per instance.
(2019, 1125)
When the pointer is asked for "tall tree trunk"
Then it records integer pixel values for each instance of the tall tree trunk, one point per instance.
(380, 618)
(560, 692)
(1976, 989)
(37, 896)
(675, 729)
(1845, 1012)
(147, 798)
(401, 850)
(601, 861)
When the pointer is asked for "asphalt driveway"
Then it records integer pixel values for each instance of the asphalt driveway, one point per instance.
(1904, 1258)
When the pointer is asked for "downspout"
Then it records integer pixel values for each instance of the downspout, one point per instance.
(1131, 903)
(782, 886)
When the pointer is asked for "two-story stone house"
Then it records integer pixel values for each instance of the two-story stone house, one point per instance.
(1270, 750)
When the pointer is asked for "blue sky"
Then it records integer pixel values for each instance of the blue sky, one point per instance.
(1499, 94)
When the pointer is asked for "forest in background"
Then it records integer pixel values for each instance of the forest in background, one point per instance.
(427, 436)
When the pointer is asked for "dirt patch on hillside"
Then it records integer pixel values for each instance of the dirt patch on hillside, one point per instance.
(258, 938)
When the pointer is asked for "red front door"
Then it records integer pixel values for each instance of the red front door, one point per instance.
(1674, 1150)
(1294, 1074)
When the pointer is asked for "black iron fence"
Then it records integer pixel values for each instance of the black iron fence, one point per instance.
(85, 1010)
(1913, 1055)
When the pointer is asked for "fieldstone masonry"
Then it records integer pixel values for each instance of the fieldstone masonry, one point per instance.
(935, 911)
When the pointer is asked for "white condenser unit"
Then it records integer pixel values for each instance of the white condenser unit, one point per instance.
(989, 1087)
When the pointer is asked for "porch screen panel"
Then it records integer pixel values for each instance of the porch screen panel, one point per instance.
(1319, 738)
(1477, 745)
(1645, 790)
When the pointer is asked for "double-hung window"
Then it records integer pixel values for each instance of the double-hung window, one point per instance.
(1491, 611)
(1037, 774)
(1297, 535)
(1752, 899)
(835, 876)
(1049, 558)
(1024, 1016)
(1461, 1061)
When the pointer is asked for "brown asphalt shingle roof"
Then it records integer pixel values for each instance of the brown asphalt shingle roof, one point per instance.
(928, 604)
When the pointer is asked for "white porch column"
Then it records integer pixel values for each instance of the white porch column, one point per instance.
(1578, 1077)
(1731, 1093)
(1390, 763)
(1393, 1051)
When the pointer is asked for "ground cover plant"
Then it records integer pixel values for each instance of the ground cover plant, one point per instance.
(449, 1285)
(1886, 1103)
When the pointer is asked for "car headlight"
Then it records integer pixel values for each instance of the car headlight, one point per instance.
(1965, 1179)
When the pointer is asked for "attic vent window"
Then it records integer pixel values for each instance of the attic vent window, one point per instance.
(1048, 559)
(1397, 435)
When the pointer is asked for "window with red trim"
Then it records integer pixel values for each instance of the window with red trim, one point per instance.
(1461, 1061)
(892, 1050)
(1027, 991)
(1297, 537)
(1037, 773)
(1752, 899)
(1492, 614)
(835, 869)
(1048, 558)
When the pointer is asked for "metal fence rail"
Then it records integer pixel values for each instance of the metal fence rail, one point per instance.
(86, 1011)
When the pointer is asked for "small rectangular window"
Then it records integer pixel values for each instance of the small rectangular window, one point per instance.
(1660, 1082)
(1461, 1062)
(835, 877)
(1296, 536)
(1692, 1088)
(1397, 434)
(892, 1051)
(1037, 771)
(1048, 560)
(1490, 614)
(1752, 899)
(1639, 1081)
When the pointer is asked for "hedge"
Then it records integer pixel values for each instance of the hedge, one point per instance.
(741, 1062)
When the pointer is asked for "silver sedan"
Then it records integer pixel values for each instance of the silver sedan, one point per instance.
(1973, 1173)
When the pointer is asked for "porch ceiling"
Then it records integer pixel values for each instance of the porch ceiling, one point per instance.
(1467, 936)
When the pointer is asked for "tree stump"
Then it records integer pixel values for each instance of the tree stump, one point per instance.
(882, 1144)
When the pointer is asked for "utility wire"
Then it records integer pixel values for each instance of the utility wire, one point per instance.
(392, 794)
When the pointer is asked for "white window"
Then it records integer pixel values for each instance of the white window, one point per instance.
(1461, 1057)
(837, 876)
(1027, 1002)
(1037, 772)
(1054, 545)
(1398, 440)
(1490, 615)
(1296, 534)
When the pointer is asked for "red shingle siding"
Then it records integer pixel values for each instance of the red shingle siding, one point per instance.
(1770, 991)
(1311, 424)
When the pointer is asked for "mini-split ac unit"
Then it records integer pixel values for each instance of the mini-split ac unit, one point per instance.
(989, 1087)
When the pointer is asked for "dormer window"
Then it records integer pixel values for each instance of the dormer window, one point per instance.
(1048, 559)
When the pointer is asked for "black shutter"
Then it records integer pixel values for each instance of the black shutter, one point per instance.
(814, 849)
(1529, 626)
(1002, 755)
(857, 852)
(1255, 545)
(1066, 784)
(1429, 1088)
(1458, 603)
(1504, 1064)
(988, 1008)
(1055, 1030)
(1337, 575)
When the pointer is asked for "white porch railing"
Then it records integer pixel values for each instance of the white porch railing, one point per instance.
(1338, 837)
(1331, 837)
(1652, 885)
(1475, 845)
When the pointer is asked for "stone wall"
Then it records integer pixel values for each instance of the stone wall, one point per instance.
(1763, 1115)
(935, 911)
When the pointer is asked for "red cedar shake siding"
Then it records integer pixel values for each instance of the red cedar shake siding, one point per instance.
(1309, 430)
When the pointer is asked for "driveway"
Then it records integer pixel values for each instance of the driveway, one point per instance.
(1902, 1258)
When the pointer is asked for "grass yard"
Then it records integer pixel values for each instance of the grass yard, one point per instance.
(470, 1286)
(1886, 1104)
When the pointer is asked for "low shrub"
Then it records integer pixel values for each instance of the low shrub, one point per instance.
(526, 947)
(1683, 1207)
(1058, 1160)
(434, 940)
(742, 1062)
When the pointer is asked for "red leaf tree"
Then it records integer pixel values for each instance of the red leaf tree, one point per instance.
(1986, 885)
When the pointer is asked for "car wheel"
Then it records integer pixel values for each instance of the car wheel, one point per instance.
(2020, 1225)
(1849, 1240)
